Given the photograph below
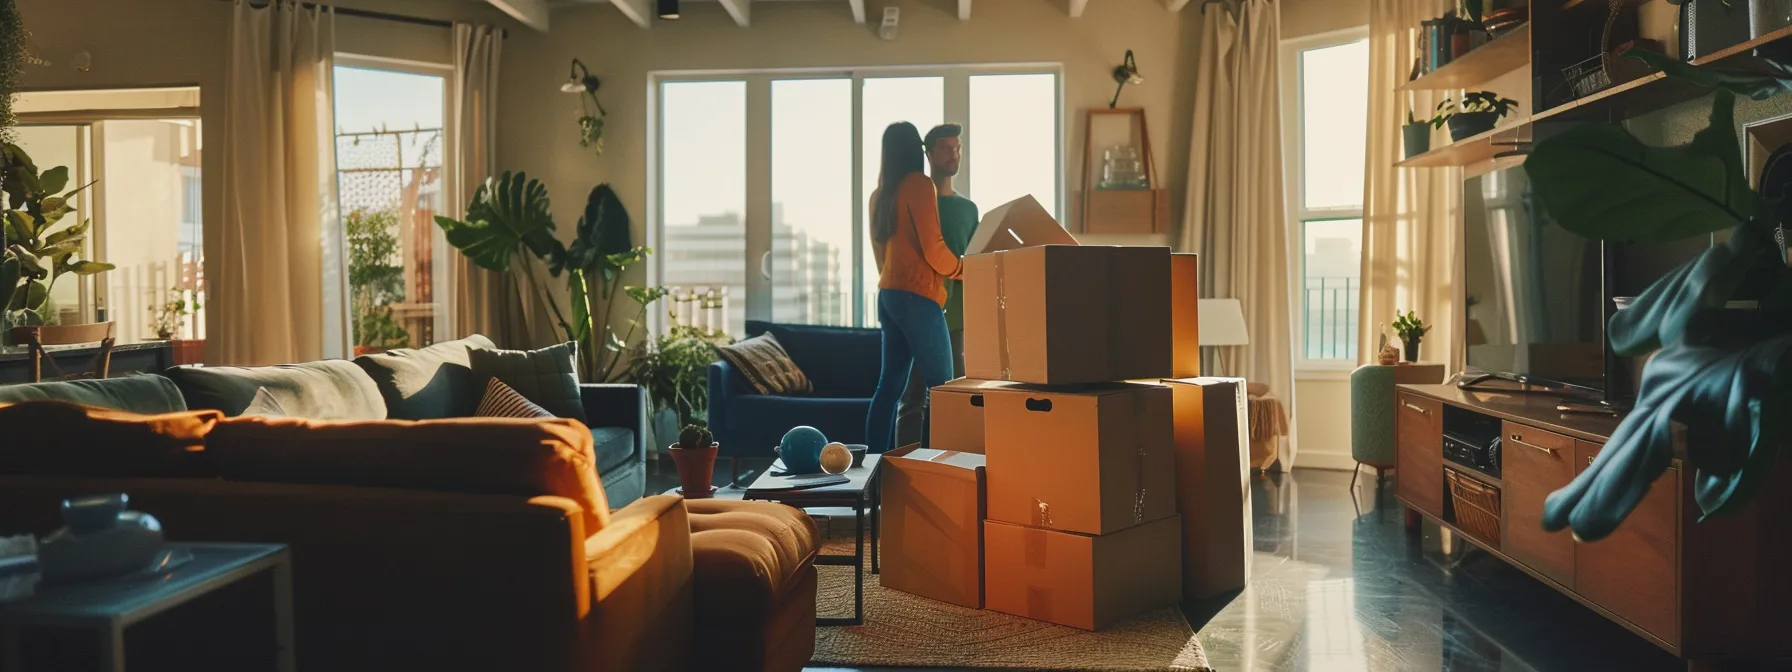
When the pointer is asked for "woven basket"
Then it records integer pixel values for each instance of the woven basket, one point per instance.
(1477, 507)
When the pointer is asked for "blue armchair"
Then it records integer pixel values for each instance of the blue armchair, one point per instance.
(841, 362)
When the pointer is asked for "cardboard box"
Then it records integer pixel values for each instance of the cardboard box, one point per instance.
(1066, 315)
(955, 417)
(1213, 490)
(1185, 315)
(1079, 580)
(1019, 223)
(1092, 460)
(933, 524)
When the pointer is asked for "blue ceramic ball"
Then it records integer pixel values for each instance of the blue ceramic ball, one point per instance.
(801, 449)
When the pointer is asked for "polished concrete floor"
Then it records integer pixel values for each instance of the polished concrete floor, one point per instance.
(1339, 585)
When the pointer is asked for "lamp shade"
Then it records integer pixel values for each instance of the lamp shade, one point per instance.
(1222, 322)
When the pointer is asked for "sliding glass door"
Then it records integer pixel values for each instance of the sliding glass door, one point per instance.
(762, 180)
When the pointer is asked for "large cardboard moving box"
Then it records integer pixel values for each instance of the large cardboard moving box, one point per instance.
(1079, 580)
(1213, 491)
(956, 414)
(1065, 315)
(1185, 315)
(1019, 223)
(933, 524)
(1093, 460)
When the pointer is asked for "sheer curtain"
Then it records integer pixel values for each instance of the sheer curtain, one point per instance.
(1411, 249)
(479, 296)
(1236, 216)
(273, 301)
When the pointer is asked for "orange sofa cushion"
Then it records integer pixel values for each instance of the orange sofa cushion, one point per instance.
(60, 438)
(472, 455)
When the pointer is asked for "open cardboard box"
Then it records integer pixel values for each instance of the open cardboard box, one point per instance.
(1068, 314)
(1019, 223)
(933, 524)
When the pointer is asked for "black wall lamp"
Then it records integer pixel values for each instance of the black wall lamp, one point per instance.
(669, 9)
(591, 126)
(1125, 73)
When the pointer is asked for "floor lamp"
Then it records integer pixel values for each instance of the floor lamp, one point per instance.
(1222, 325)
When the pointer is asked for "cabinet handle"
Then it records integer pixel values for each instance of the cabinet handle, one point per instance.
(1520, 441)
(1421, 410)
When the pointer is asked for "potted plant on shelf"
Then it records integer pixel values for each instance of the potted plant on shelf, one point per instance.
(695, 456)
(168, 319)
(1416, 135)
(1478, 112)
(1411, 330)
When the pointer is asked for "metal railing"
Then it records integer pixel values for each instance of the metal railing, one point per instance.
(1329, 318)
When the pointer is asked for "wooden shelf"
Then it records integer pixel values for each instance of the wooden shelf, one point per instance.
(1470, 150)
(1507, 53)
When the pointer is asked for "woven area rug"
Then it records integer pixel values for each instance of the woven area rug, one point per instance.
(908, 631)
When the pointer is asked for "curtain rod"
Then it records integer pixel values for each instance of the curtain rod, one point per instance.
(385, 16)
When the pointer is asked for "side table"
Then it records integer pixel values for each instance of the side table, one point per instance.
(108, 606)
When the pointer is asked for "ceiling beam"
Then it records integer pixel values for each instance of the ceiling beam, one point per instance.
(741, 10)
(1076, 8)
(964, 10)
(858, 11)
(531, 13)
(1175, 5)
(638, 11)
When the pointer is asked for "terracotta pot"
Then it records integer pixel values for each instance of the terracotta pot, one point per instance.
(696, 469)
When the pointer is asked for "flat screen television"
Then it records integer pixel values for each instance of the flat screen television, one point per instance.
(1534, 292)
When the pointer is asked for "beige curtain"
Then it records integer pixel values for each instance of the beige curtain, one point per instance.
(1411, 247)
(1236, 217)
(478, 298)
(271, 303)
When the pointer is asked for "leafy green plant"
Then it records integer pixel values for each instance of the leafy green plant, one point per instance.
(1409, 326)
(509, 222)
(694, 437)
(1473, 102)
(1718, 372)
(675, 370)
(37, 252)
(374, 281)
(168, 318)
(12, 65)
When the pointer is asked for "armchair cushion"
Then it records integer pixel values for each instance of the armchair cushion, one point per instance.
(470, 455)
(427, 383)
(615, 447)
(549, 376)
(840, 362)
(324, 390)
(766, 366)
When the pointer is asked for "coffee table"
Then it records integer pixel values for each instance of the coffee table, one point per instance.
(860, 493)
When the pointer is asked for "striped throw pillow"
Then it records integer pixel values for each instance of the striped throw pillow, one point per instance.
(502, 402)
(766, 366)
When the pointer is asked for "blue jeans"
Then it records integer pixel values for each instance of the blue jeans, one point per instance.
(914, 333)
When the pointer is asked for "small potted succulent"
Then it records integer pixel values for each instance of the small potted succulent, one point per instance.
(1416, 134)
(1478, 112)
(1411, 330)
(695, 456)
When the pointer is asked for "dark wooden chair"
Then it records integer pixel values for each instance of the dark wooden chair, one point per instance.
(37, 338)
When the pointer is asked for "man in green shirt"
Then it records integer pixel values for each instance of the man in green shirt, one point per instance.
(958, 222)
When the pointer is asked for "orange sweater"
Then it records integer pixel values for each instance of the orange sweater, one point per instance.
(915, 258)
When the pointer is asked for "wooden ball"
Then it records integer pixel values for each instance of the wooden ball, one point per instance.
(835, 458)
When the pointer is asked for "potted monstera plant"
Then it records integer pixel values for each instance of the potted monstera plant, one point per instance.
(38, 248)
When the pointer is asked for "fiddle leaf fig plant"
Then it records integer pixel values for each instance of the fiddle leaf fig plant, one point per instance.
(1716, 371)
(36, 250)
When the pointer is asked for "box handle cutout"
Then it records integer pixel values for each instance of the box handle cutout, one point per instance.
(1039, 405)
(977, 400)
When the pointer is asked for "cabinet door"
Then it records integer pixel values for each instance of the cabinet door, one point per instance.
(1534, 463)
(1632, 572)
(1419, 466)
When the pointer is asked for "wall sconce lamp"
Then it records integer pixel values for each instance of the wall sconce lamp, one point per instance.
(1125, 73)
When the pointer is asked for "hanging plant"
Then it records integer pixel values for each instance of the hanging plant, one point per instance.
(591, 126)
(12, 65)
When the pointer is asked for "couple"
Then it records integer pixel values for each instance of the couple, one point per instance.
(920, 228)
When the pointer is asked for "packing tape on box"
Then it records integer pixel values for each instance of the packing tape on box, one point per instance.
(1002, 314)
(1042, 513)
(1140, 451)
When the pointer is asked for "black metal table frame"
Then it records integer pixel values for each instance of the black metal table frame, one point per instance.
(868, 498)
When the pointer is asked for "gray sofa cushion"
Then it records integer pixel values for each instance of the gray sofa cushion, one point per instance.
(146, 393)
(427, 383)
(325, 390)
(549, 376)
(615, 447)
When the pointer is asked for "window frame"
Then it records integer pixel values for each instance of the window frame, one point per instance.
(757, 302)
(1298, 215)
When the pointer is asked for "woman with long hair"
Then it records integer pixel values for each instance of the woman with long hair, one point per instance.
(913, 263)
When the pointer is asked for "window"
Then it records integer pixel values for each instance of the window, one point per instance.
(1325, 87)
(389, 158)
(793, 248)
(145, 174)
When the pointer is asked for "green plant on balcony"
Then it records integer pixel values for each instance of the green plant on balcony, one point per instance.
(374, 281)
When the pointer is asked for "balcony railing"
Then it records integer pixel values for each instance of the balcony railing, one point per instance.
(1329, 318)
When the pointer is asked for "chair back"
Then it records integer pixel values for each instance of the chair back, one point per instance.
(37, 338)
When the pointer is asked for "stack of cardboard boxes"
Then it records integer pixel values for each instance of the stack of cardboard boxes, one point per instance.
(1050, 490)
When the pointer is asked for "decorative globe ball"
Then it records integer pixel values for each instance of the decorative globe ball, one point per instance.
(835, 458)
(801, 449)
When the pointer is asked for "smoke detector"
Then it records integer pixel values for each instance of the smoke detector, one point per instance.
(887, 29)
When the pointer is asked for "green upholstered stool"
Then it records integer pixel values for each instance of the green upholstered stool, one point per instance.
(1372, 411)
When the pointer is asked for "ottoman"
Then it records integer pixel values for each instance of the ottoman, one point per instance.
(753, 566)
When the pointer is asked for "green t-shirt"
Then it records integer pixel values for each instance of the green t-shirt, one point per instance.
(958, 221)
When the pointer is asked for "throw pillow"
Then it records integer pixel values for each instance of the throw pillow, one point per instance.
(525, 458)
(64, 439)
(427, 383)
(264, 404)
(502, 402)
(549, 377)
(766, 366)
